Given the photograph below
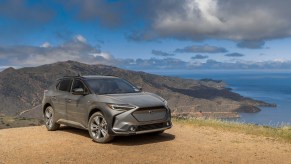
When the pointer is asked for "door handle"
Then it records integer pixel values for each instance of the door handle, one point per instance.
(54, 98)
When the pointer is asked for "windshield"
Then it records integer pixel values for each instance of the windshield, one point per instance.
(111, 86)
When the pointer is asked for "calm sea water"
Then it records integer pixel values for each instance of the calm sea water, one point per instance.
(272, 87)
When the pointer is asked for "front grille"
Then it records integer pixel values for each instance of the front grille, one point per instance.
(151, 126)
(150, 114)
(151, 108)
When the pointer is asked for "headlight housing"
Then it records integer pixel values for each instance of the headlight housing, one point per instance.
(121, 106)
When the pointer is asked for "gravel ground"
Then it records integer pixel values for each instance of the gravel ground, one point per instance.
(181, 144)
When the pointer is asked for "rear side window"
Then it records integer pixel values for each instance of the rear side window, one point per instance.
(65, 85)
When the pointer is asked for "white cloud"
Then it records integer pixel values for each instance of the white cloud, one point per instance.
(237, 20)
(104, 55)
(22, 56)
(76, 49)
(45, 45)
(280, 60)
(80, 38)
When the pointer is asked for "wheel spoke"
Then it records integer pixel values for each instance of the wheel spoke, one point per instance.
(97, 120)
(103, 123)
(47, 114)
(98, 134)
(104, 132)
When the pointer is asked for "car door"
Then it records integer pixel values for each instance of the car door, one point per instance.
(76, 104)
(60, 98)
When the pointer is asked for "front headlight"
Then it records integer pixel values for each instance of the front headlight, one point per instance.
(121, 106)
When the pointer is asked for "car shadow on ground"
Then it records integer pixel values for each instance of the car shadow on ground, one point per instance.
(142, 139)
(133, 140)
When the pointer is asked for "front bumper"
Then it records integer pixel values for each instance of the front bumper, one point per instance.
(128, 123)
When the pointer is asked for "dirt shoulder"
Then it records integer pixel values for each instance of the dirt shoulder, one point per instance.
(181, 144)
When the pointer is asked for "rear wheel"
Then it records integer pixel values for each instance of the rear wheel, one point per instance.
(49, 119)
(98, 128)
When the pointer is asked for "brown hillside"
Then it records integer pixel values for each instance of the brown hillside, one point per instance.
(22, 89)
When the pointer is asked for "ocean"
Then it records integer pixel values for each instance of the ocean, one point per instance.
(268, 86)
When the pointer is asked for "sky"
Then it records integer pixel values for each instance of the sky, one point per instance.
(147, 34)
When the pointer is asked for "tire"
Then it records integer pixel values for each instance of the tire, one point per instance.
(98, 128)
(49, 119)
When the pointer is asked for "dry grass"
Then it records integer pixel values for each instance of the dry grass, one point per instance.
(282, 133)
(13, 122)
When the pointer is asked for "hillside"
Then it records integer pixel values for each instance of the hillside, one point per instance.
(182, 144)
(22, 89)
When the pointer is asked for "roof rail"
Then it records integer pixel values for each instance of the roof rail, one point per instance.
(73, 75)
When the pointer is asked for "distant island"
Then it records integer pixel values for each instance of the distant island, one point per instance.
(21, 91)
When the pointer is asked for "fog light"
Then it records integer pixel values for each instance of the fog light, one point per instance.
(132, 129)
(168, 123)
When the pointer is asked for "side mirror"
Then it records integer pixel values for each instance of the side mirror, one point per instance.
(139, 88)
(78, 91)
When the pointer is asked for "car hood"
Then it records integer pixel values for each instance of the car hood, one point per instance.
(141, 99)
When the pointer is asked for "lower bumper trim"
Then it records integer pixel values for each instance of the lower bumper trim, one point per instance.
(141, 132)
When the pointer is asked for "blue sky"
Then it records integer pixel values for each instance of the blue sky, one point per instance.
(147, 34)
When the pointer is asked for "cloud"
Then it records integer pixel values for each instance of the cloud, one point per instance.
(21, 10)
(80, 38)
(247, 22)
(251, 44)
(161, 53)
(199, 57)
(45, 45)
(154, 63)
(108, 13)
(78, 49)
(235, 54)
(236, 20)
(213, 64)
(74, 49)
(173, 63)
(20, 56)
(201, 49)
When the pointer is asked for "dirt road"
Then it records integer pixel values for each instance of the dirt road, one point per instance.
(181, 144)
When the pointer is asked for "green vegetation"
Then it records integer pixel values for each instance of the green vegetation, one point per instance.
(281, 133)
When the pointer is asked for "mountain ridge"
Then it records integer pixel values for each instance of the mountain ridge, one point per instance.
(22, 89)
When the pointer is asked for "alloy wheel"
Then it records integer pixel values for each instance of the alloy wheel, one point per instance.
(49, 117)
(99, 128)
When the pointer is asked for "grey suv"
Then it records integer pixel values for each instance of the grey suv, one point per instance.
(106, 106)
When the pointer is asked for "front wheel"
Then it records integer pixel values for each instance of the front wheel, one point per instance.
(49, 119)
(98, 128)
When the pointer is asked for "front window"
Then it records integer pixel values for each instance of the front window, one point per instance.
(111, 86)
(79, 84)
